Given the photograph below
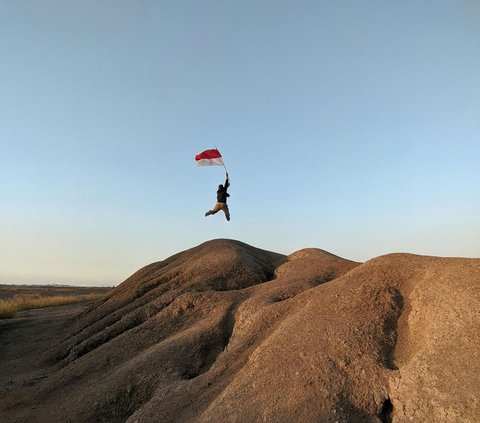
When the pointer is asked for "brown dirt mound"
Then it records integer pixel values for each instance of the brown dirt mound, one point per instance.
(228, 332)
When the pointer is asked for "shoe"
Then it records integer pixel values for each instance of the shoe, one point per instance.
(207, 214)
(228, 218)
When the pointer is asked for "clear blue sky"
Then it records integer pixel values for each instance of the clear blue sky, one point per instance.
(351, 126)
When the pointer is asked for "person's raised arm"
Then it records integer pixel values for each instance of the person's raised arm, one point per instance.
(227, 182)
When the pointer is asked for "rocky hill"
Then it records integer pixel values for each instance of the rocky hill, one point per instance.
(225, 332)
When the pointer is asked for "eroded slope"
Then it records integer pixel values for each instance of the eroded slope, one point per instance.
(228, 332)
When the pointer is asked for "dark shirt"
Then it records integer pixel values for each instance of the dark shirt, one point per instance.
(222, 192)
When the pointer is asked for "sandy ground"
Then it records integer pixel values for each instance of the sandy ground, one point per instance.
(25, 338)
(225, 332)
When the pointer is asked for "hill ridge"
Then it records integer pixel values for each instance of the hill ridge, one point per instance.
(228, 332)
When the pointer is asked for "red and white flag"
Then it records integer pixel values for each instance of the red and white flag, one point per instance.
(209, 158)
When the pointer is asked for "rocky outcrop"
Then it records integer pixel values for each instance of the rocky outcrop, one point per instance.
(228, 332)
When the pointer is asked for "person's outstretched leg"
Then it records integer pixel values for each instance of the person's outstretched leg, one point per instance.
(226, 211)
(217, 207)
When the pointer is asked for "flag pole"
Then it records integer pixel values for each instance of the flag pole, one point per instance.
(226, 171)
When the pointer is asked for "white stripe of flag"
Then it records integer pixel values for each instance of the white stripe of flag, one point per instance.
(209, 158)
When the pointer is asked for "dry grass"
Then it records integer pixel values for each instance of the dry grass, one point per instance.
(27, 302)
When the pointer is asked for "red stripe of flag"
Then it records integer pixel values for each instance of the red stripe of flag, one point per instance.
(208, 154)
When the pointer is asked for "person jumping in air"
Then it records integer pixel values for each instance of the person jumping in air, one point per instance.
(221, 200)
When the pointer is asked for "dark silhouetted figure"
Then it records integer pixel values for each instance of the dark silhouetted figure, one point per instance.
(221, 204)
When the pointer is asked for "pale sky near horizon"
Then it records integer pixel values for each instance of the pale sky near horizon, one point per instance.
(349, 126)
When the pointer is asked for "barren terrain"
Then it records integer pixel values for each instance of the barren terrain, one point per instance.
(11, 291)
(225, 332)
(15, 298)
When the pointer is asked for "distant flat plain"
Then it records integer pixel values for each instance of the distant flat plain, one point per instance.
(17, 298)
(10, 291)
